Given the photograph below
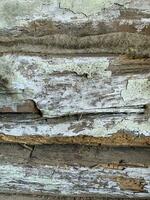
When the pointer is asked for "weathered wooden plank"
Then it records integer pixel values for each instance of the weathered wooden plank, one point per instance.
(67, 86)
(56, 87)
(67, 27)
(75, 155)
(14, 153)
(84, 17)
(63, 80)
(90, 156)
(75, 173)
(131, 182)
(109, 129)
(133, 44)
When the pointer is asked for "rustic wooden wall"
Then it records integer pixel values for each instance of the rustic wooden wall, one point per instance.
(72, 74)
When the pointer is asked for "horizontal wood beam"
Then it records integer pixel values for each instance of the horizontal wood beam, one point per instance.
(126, 129)
(61, 62)
(82, 18)
(74, 170)
(68, 86)
(74, 99)
(87, 96)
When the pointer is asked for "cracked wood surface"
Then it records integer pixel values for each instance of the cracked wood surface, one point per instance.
(62, 61)
(92, 96)
(65, 27)
(80, 171)
(40, 17)
(67, 86)
(76, 76)
(106, 129)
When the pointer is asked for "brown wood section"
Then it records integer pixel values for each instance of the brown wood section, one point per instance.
(75, 155)
(117, 139)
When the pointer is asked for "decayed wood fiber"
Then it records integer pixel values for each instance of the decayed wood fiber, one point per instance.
(118, 139)
(44, 52)
(112, 98)
(81, 170)
(64, 82)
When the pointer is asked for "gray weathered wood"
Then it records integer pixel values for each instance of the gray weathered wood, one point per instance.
(101, 126)
(66, 27)
(78, 86)
(75, 73)
(69, 170)
(75, 155)
(67, 86)
(66, 16)
(87, 84)
(131, 182)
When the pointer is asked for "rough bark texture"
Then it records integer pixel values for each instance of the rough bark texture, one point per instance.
(75, 73)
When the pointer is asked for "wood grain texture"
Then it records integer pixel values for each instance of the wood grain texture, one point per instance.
(93, 96)
(67, 86)
(108, 129)
(132, 182)
(65, 27)
(75, 75)
(65, 16)
(75, 155)
(74, 170)
(85, 80)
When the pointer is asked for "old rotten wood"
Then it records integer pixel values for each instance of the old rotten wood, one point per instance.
(74, 170)
(75, 96)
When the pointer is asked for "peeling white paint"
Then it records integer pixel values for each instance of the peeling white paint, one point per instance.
(128, 124)
(145, 5)
(80, 65)
(20, 12)
(58, 93)
(36, 78)
(69, 180)
(137, 88)
(98, 126)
